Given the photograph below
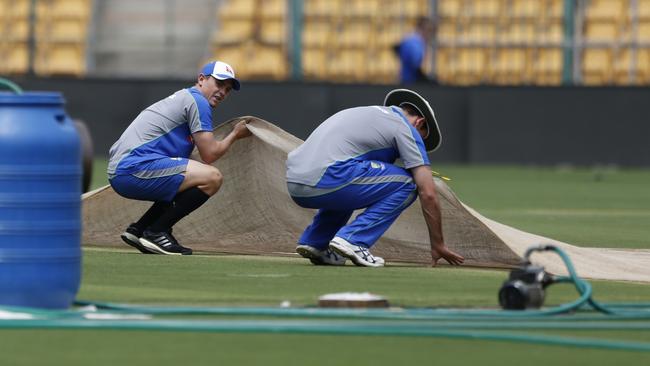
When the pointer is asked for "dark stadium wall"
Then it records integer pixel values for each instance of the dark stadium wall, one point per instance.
(482, 125)
(582, 126)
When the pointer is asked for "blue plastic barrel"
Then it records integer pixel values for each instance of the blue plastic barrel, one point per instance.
(40, 202)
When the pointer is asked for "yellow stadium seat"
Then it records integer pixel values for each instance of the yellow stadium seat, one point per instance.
(639, 60)
(519, 33)
(363, 8)
(448, 31)
(469, 65)
(235, 30)
(314, 65)
(643, 31)
(347, 65)
(383, 66)
(622, 66)
(601, 31)
(322, 8)
(526, 8)
(450, 8)
(391, 32)
(597, 66)
(611, 10)
(406, 8)
(547, 66)
(234, 55)
(60, 59)
(643, 66)
(236, 9)
(273, 31)
(267, 62)
(444, 65)
(354, 34)
(487, 9)
(273, 8)
(70, 30)
(552, 32)
(553, 9)
(479, 32)
(70, 8)
(510, 66)
(63, 9)
(625, 34)
(15, 58)
(16, 29)
(17, 9)
(643, 9)
(4, 13)
(316, 33)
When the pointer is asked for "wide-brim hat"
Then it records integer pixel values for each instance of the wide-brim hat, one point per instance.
(400, 97)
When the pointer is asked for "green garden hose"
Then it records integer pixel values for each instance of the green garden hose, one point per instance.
(11, 85)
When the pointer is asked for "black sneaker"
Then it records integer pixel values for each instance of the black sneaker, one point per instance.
(132, 237)
(320, 257)
(163, 243)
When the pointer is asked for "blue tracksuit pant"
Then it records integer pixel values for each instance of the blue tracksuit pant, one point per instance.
(383, 189)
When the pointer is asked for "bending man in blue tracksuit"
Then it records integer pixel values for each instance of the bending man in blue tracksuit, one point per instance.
(347, 164)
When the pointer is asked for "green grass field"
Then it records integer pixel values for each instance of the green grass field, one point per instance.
(607, 208)
(594, 207)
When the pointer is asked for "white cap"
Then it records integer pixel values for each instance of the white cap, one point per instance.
(221, 71)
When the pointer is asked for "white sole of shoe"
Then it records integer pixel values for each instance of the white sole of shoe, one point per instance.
(134, 241)
(349, 253)
(154, 248)
(306, 253)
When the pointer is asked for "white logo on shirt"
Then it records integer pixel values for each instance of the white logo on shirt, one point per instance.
(381, 109)
(375, 165)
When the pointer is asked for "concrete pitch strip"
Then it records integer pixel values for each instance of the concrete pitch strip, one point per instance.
(253, 214)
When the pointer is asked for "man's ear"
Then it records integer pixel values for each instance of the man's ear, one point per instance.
(201, 79)
(421, 125)
(419, 122)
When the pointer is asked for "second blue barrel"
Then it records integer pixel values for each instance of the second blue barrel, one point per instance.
(40, 202)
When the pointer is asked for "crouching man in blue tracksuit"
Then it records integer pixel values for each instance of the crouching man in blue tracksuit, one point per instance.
(150, 161)
(347, 164)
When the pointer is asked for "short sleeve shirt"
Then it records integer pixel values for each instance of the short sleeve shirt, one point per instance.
(357, 134)
(164, 129)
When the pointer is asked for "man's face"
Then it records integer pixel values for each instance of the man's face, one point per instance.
(214, 90)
